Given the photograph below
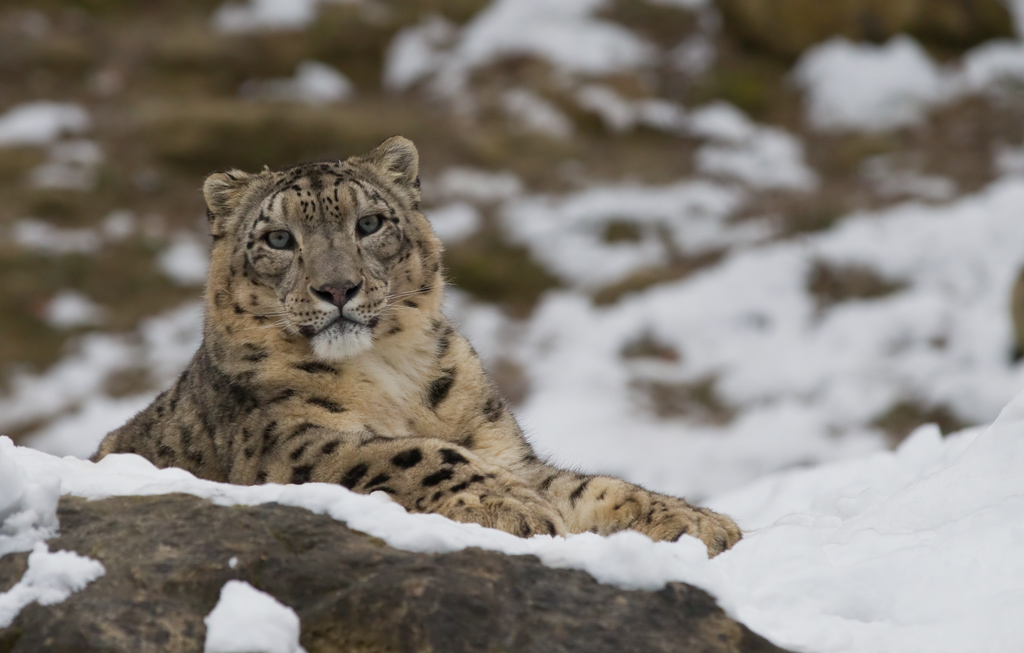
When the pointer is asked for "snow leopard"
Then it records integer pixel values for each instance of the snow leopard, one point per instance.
(326, 358)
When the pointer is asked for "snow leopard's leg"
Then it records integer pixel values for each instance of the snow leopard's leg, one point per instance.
(422, 474)
(605, 505)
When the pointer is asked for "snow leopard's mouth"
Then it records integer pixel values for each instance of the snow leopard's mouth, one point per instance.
(338, 326)
(341, 338)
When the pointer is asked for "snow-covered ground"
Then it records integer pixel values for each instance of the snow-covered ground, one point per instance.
(850, 546)
(912, 550)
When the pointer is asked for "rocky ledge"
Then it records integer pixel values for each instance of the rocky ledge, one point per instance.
(167, 557)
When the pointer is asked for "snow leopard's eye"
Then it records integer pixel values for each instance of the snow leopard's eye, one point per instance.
(369, 224)
(280, 240)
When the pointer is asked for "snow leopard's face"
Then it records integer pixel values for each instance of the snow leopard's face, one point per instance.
(324, 250)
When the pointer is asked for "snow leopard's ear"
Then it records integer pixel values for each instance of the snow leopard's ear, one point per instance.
(397, 161)
(224, 192)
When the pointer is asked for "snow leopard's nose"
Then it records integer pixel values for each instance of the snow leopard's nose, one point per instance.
(337, 293)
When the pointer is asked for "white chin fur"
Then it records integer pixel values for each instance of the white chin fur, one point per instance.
(338, 344)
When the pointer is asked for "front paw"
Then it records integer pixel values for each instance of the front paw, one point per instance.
(669, 519)
(509, 511)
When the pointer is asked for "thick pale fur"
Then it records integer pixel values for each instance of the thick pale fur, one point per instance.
(389, 398)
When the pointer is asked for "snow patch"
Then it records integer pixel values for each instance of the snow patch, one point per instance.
(892, 181)
(566, 34)
(71, 165)
(45, 238)
(566, 233)
(477, 185)
(265, 15)
(162, 346)
(454, 222)
(622, 115)
(416, 52)
(536, 114)
(70, 309)
(28, 508)
(186, 260)
(806, 384)
(993, 63)
(864, 87)
(314, 83)
(246, 620)
(51, 578)
(39, 123)
(761, 157)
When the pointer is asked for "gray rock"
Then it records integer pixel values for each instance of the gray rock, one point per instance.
(167, 558)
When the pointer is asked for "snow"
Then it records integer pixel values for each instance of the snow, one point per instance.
(415, 52)
(73, 388)
(993, 63)
(889, 180)
(477, 185)
(841, 557)
(864, 87)
(761, 157)
(565, 34)
(314, 83)
(684, 4)
(51, 578)
(72, 165)
(262, 15)
(185, 260)
(70, 309)
(78, 433)
(41, 122)
(621, 115)
(246, 620)
(45, 238)
(118, 225)
(807, 384)
(28, 508)
(454, 222)
(694, 214)
(536, 114)
(771, 158)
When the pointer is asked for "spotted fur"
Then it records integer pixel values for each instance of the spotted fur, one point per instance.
(330, 361)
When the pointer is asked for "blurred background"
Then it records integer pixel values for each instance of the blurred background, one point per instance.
(696, 241)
